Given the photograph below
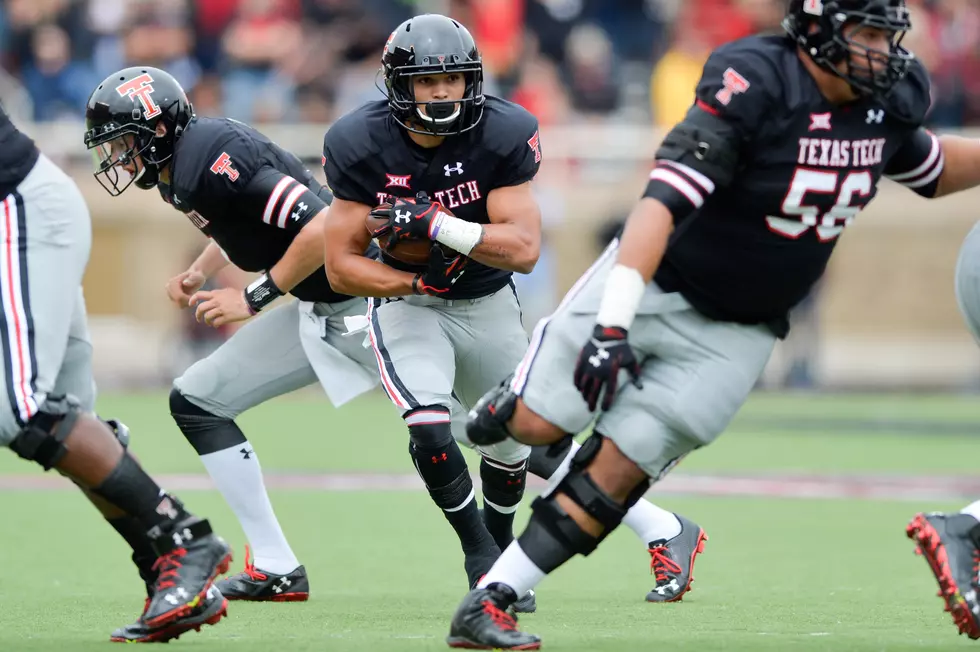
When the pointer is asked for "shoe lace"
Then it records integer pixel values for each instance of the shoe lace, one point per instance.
(500, 618)
(146, 605)
(168, 566)
(250, 566)
(661, 563)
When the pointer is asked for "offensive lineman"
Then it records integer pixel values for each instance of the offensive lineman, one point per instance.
(48, 417)
(786, 141)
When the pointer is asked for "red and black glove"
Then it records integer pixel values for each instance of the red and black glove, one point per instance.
(408, 219)
(603, 356)
(441, 274)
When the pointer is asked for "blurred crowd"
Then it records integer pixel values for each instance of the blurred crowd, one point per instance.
(312, 60)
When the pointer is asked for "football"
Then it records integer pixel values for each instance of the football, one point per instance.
(412, 252)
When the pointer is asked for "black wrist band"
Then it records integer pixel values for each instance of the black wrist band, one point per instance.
(261, 292)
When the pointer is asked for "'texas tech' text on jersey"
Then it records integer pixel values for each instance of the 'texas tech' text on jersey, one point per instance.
(369, 158)
(754, 230)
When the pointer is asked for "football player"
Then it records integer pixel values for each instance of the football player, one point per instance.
(453, 329)
(785, 142)
(48, 415)
(951, 542)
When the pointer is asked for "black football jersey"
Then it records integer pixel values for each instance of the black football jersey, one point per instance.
(18, 154)
(752, 249)
(369, 158)
(248, 194)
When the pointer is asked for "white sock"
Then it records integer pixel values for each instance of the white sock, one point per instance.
(649, 522)
(515, 569)
(238, 477)
(973, 509)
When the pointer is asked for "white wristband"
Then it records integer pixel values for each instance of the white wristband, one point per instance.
(624, 289)
(455, 233)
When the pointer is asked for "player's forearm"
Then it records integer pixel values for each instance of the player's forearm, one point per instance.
(641, 249)
(506, 246)
(358, 276)
(210, 262)
(303, 256)
(961, 170)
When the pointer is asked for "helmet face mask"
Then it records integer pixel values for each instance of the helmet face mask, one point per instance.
(831, 31)
(431, 45)
(133, 119)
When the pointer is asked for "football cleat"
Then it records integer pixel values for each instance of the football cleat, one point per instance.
(482, 622)
(209, 612)
(951, 545)
(527, 604)
(672, 562)
(190, 557)
(261, 586)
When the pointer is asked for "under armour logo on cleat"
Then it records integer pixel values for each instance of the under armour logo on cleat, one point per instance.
(672, 585)
(181, 537)
(283, 583)
(246, 453)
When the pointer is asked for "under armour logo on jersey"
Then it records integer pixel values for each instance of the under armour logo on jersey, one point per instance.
(246, 453)
(733, 84)
(223, 166)
(300, 209)
(403, 216)
(457, 170)
(282, 585)
(875, 116)
(820, 121)
(597, 359)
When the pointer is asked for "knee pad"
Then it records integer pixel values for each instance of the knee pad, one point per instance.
(503, 484)
(585, 493)
(206, 432)
(487, 421)
(42, 439)
(545, 460)
(429, 426)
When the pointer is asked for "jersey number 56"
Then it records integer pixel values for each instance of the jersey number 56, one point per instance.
(853, 191)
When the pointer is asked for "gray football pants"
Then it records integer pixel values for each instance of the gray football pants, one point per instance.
(968, 281)
(46, 237)
(696, 372)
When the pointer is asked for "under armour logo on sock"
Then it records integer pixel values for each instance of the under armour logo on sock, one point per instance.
(246, 453)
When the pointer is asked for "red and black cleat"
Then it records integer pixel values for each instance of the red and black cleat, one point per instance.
(261, 586)
(209, 612)
(672, 562)
(951, 545)
(190, 557)
(482, 622)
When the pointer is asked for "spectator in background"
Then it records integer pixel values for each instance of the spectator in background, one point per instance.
(57, 85)
(677, 73)
(258, 45)
(159, 34)
(591, 76)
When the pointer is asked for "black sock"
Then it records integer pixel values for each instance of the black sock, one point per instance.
(133, 491)
(503, 488)
(443, 469)
(133, 533)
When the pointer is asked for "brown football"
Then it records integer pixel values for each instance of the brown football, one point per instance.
(413, 252)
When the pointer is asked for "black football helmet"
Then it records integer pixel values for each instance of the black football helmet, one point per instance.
(822, 28)
(121, 121)
(432, 44)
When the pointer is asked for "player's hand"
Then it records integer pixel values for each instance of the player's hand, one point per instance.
(219, 307)
(603, 356)
(441, 274)
(408, 219)
(181, 287)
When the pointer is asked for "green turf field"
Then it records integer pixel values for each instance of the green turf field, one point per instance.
(386, 573)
